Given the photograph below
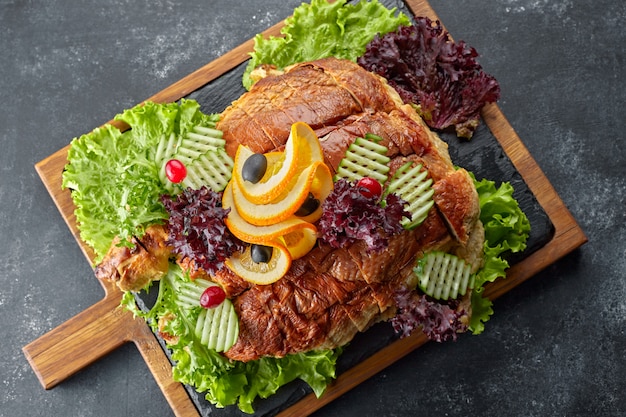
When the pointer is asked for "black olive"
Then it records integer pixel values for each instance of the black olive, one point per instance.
(260, 253)
(254, 168)
(309, 206)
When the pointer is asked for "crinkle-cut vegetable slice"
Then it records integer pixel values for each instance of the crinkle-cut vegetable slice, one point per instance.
(198, 142)
(202, 152)
(166, 149)
(412, 183)
(365, 157)
(189, 292)
(218, 327)
(213, 169)
(443, 276)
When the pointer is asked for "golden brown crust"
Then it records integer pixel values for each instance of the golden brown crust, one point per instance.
(132, 268)
(457, 200)
(360, 284)
(331, 294)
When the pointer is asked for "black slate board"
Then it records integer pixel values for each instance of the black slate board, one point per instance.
(482, 155)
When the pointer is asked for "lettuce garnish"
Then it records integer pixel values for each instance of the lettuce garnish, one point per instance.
(506, 230)
(225, 382)
(349, 216)
(442, 78)
(197, 231)
(322, 29)
(113, 175)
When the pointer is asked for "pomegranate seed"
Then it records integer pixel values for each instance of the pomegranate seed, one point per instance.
(212, 297)
(175, 171)
(369, 187)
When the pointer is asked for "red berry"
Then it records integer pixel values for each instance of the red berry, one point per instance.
(175, 170)
(212, 297)
(369, 187)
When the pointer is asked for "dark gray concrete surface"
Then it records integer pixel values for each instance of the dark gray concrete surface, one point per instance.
(556, 345)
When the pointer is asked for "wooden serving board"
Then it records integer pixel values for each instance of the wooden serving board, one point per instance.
(103, 327)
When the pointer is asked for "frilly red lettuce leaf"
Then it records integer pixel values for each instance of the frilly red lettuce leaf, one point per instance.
(196, 228)
(439, 321)
(440, 77)
(348, 216)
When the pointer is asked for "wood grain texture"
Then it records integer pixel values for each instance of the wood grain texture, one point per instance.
(80, 341)
(104, 327)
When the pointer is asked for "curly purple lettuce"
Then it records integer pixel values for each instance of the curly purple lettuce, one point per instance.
(440, 322)
(349, 216)
(197, 231)
(441, 77)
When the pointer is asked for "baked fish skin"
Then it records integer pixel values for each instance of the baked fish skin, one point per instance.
(329, 295)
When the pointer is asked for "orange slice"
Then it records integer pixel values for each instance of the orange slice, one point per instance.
(274, 162)
(301, 150)
(287, 203)
(300, 242)
(250, 233)
(321, 186)
(261, 273)
(310, 149)
(264, 212)
(276, 178)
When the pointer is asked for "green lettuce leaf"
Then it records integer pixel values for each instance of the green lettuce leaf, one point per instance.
(481, 311)
(506, 226)
(322, 29)
(226, 382)
(506, 230)
(113, 175)
(114, 187)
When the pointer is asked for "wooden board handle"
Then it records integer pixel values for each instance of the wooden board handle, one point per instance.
(94, 333)
(161, 369)
(79, 342)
